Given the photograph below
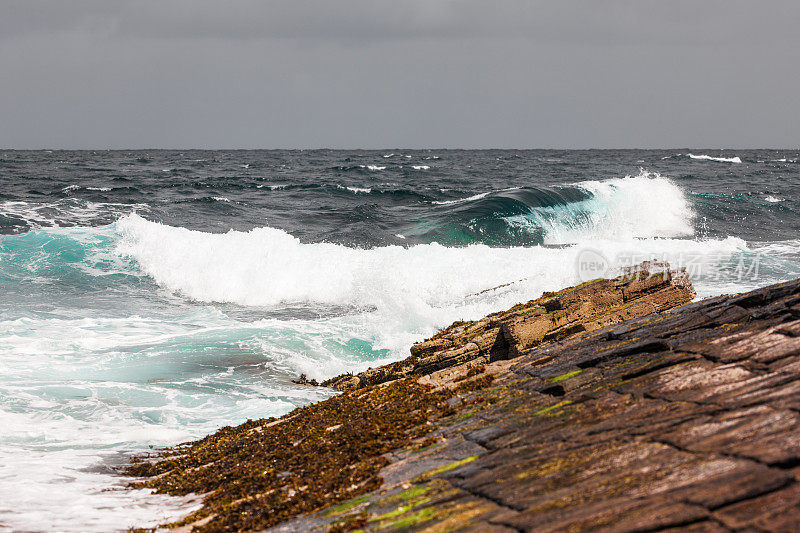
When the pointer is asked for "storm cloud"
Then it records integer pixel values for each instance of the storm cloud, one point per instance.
(372, 73)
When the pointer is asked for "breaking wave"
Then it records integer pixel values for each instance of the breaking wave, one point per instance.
(643, 206)
(412, 289)
(719, 159)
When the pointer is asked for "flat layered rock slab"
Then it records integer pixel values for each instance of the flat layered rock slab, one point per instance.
(643, 290)
(775, 511)
(674, 421)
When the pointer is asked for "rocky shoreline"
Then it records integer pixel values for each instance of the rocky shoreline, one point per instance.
(615, 405)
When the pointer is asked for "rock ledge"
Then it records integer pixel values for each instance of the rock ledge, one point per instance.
(686, 419)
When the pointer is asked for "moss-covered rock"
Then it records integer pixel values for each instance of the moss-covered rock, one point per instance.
(687, 419)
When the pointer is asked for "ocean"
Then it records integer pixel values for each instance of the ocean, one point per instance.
(152, 297)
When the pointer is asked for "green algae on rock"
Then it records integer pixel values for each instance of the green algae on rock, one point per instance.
(586, 307)
(682, 419)
(263, 472)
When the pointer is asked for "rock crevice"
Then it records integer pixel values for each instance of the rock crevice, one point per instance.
(683, 418)
(648, 288)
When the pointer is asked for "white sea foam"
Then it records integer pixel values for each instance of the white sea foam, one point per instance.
(720, 159)
(420, 167)
(76, 393)
(356, 190)
(372, 167)
(67, 212)
(56, 490)
(773, 199)
(643, 206)
(75, 389)
(413, 290)
(784, 249)
(70, 188)
(221, 198)
(469, 199)
(387, 156)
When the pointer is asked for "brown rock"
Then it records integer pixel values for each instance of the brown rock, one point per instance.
(554, 316)
(684, 420)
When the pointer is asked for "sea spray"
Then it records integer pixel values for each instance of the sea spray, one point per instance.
(398, 293)
(638, 206)
(119, 330)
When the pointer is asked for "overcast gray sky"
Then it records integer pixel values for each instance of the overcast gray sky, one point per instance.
(399, 73)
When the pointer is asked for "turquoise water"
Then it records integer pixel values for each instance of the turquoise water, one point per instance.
(139, 311)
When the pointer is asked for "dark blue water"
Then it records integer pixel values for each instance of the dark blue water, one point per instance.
(150, 297)
(363, 198)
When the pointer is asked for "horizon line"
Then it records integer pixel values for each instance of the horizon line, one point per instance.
(298, 149)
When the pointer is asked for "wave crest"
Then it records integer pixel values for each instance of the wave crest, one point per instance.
(410, 290)
(642, 206)
(718, 159)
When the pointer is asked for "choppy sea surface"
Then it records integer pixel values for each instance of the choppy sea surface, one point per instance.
(150, 297)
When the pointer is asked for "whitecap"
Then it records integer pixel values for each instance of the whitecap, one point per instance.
(646, 205)
(69, 211)
(468, 199)
(420, 167)
(720, 159)
(412, 290)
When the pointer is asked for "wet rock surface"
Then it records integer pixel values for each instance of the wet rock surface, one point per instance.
(681, 420)
(642, 290)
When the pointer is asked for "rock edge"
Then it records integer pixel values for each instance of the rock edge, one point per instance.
(687, 419)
